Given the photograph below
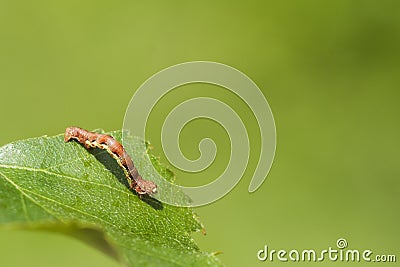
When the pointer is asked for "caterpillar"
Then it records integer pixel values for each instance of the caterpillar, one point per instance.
(117, 151)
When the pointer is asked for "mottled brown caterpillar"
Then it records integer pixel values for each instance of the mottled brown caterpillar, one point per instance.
(117, 151)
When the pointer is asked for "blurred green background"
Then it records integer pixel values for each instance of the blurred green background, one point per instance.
(329, 69)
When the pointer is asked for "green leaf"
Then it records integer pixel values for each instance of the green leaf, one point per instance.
(48, 184)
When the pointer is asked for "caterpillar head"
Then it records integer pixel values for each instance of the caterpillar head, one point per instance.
(145, 187)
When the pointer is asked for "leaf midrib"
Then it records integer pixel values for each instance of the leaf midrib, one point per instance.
(24, 191)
